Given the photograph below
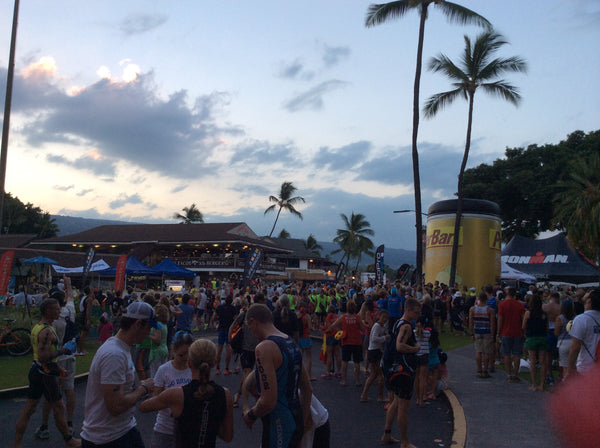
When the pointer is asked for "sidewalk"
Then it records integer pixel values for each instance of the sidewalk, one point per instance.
(498, 414)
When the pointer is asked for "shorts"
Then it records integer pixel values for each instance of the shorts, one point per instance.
(511, 346)
(223, 337)
(433, 367)
(141, 359)
(535, 343)
(422, 360)
(68, 382)
(331, 341)
(247, 359)
(161, 440)
(41, 384)
(401, 384)
(374, 356)
(483, 343)
(353, 352)
(305, 343)
(131, 439)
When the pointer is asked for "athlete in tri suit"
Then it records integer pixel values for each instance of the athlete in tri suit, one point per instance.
(44, 374)
(279, 374)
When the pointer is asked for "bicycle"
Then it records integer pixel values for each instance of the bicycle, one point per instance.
(16, 340)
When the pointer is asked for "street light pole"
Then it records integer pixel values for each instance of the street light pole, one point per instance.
(7, 104)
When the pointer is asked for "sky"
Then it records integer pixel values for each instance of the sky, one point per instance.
(132, 110)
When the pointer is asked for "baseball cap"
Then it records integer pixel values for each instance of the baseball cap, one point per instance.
(142, 311)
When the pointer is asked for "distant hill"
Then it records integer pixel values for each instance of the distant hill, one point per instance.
(392, 257)
(69, 224)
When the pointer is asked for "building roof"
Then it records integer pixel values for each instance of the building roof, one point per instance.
(164, 234)
(16, 240)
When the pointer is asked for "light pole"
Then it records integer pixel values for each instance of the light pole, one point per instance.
(7, 103)
(419, 268)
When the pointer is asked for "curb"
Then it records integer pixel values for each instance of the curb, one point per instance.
(459, 436)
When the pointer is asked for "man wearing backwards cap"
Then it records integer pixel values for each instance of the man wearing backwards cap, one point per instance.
(112, 388)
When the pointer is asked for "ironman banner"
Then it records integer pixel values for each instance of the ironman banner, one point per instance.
(479, 243)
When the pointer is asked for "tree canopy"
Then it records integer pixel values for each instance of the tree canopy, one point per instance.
(285, 201)
(26, 218)
(190, 215)
(525, 181)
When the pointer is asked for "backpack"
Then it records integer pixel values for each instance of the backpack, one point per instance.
(389, 351)
(71, 331)
(237, 334)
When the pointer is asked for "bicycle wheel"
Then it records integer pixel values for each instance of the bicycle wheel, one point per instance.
(18, 341)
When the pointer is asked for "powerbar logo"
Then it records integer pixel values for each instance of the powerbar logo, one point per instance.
(538, 258)
(443, 236)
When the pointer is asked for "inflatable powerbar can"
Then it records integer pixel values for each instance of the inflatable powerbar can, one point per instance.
(479, 243)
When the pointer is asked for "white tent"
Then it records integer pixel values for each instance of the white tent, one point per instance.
(509, 273)
(99, 265)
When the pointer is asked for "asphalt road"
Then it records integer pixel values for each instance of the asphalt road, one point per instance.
(353, 424)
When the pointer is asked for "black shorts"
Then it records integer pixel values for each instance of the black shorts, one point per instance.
(374, 356)
(422, 360)
(353, 352)
(247, 359)
(401, 384)
(42, 384)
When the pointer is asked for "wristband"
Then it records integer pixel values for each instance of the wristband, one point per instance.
(251, 414)
(145, 388)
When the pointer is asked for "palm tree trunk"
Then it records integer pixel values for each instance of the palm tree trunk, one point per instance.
(415, 152)
(459, 202)
(275, 223)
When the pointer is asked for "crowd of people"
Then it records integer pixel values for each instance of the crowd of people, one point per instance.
(155, 348)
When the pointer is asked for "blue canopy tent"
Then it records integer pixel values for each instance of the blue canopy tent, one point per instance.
(133, 267)
(169, 269)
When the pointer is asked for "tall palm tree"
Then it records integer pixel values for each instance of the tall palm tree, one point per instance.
(311, 244)
(285, 201)
(577, 205)
(353, 239)
(190, 215)
(477, 68)
(380, 13)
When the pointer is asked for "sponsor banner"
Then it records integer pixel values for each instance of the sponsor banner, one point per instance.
(379, 265)
(538, 258)
(479, 251)
(87, 265)
(120, 273)
(252, 264)
(99, 265)
(5, 268)
(340, 269)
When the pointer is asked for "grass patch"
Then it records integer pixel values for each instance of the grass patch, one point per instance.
(14, 369)
(450, 341)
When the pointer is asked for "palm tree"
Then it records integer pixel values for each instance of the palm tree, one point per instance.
(353, 240)
(46, 226)
(284, 234)
(577, 205)
(380, 13)
(286, 201)
(477, 68)
(190, 215)
(311, 244)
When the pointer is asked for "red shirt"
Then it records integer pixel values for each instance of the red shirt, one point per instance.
(329, 320)
(351, 328)
(512, 312)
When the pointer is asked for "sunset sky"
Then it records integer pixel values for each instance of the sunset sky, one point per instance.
(132, 110)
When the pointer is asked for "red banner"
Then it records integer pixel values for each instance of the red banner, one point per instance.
(5, 267)
(120, 273)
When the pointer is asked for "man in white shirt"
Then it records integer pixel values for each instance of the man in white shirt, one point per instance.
(585, 335)
(113, 389)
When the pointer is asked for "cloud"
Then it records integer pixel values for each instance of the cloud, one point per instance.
(141, 23)
(174, 136)
(261, 153)
(295, 70)
(343, 158)
(313, 98)
(124, 200)
(179, 188)
(63, 187)
(85, 191)
(333, 55)
(100, 167)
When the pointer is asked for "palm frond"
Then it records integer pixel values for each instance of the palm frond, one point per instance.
(461, 15)
(441, 100)
(503, 90)
(503, 65)
(444, 64)
(380, 13)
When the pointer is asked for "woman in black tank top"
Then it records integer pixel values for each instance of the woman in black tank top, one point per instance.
(202, 409)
